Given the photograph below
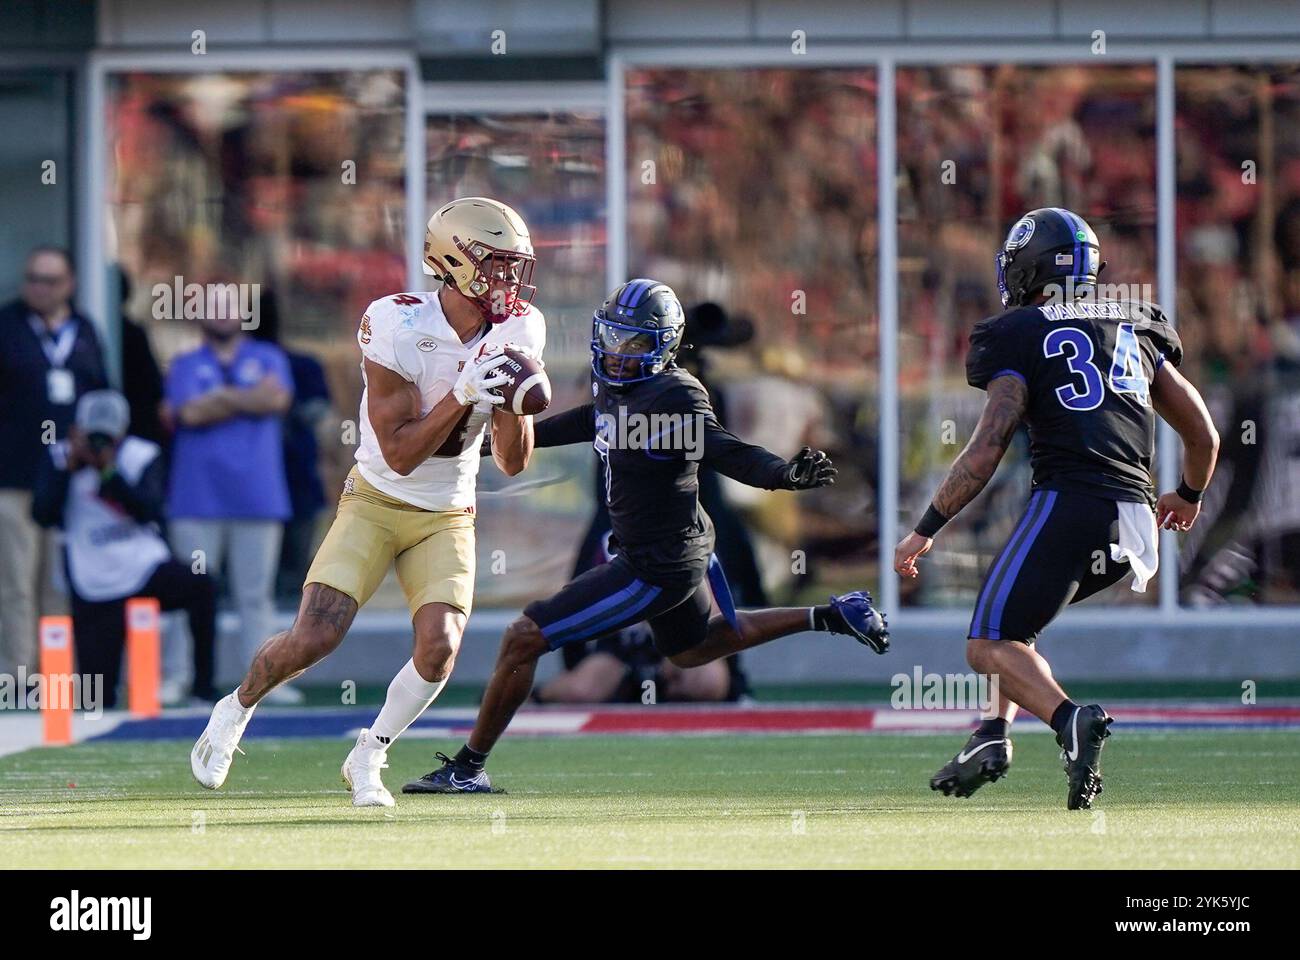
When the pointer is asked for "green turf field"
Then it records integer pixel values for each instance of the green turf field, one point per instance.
(1182, 799)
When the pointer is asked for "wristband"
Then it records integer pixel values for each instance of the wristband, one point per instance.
(1187, 493)
(931, 523)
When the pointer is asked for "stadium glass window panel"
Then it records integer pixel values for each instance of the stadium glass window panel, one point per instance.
(978, 146)
(36, 110)
(755, 189)
(290, 180)
(1238, 235)
(550, 166)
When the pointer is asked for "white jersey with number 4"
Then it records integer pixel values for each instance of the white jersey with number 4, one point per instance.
(409, 334)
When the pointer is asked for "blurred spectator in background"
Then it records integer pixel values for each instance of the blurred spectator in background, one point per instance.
(105, 488)
(1239, 300)
(51, 356)
(228, 497)
(311, 405)
(142, 381)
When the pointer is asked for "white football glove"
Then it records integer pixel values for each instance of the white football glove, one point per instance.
(479, 380)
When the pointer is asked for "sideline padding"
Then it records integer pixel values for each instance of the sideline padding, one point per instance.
(687, 720)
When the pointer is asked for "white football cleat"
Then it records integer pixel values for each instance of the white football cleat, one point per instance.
(215, 750)
(361, 773)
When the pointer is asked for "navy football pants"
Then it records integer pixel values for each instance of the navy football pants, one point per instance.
(1058, 554)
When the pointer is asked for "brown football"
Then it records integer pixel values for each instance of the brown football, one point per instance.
(527, 389)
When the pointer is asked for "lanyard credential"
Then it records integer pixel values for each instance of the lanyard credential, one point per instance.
(60, 385)
(57, 346)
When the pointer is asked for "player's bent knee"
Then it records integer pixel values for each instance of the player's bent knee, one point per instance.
(978, 653)
(744, 626)
(319, 635)
(323, 618)
(435, 653)
(523, 641)
(316, 639)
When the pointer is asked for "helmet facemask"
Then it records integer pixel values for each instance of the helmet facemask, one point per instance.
(622, 353)
(1012, 290)
(501, 283)
(1003, 260)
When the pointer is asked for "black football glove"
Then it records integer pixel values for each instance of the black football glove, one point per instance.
(809, 468)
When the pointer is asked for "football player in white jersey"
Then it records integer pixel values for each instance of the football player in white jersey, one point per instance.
(429, 365)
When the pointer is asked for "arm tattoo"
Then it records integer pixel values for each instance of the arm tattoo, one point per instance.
(1007, 400)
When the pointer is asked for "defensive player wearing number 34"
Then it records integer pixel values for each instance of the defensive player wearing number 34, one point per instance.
(431, 388)
(1087, 374)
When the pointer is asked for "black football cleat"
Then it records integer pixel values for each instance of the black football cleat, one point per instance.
(982, 760)
(452, 777)
(1081, 742)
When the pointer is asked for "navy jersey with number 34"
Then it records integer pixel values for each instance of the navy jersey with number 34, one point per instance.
(1088, 367)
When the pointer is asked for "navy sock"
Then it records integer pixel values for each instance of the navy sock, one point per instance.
(1062, 714)
(469, 757)
(992, 727)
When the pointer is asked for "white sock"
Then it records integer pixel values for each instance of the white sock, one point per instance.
(408, 696)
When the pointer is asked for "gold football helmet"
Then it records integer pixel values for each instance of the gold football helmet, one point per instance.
(482, 247)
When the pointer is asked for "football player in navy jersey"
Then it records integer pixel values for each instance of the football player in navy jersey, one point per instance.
(1087, 375)
(652, 425)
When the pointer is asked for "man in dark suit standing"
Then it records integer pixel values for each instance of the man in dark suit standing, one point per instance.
(50, 356)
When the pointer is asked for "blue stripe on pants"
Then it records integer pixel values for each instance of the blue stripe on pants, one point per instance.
(623, 614)
(598, 617)
(722, 590)
(995, 618)
(600, 606)
(977, 624)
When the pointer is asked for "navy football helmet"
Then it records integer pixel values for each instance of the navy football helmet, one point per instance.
(1046, 246)
(636, 332)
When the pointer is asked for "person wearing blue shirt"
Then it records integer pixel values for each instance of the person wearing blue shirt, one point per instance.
(228, 497)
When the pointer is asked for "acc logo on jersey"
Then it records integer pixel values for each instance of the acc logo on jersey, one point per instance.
(428, 344)
(365, 329)
(1020, 233)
